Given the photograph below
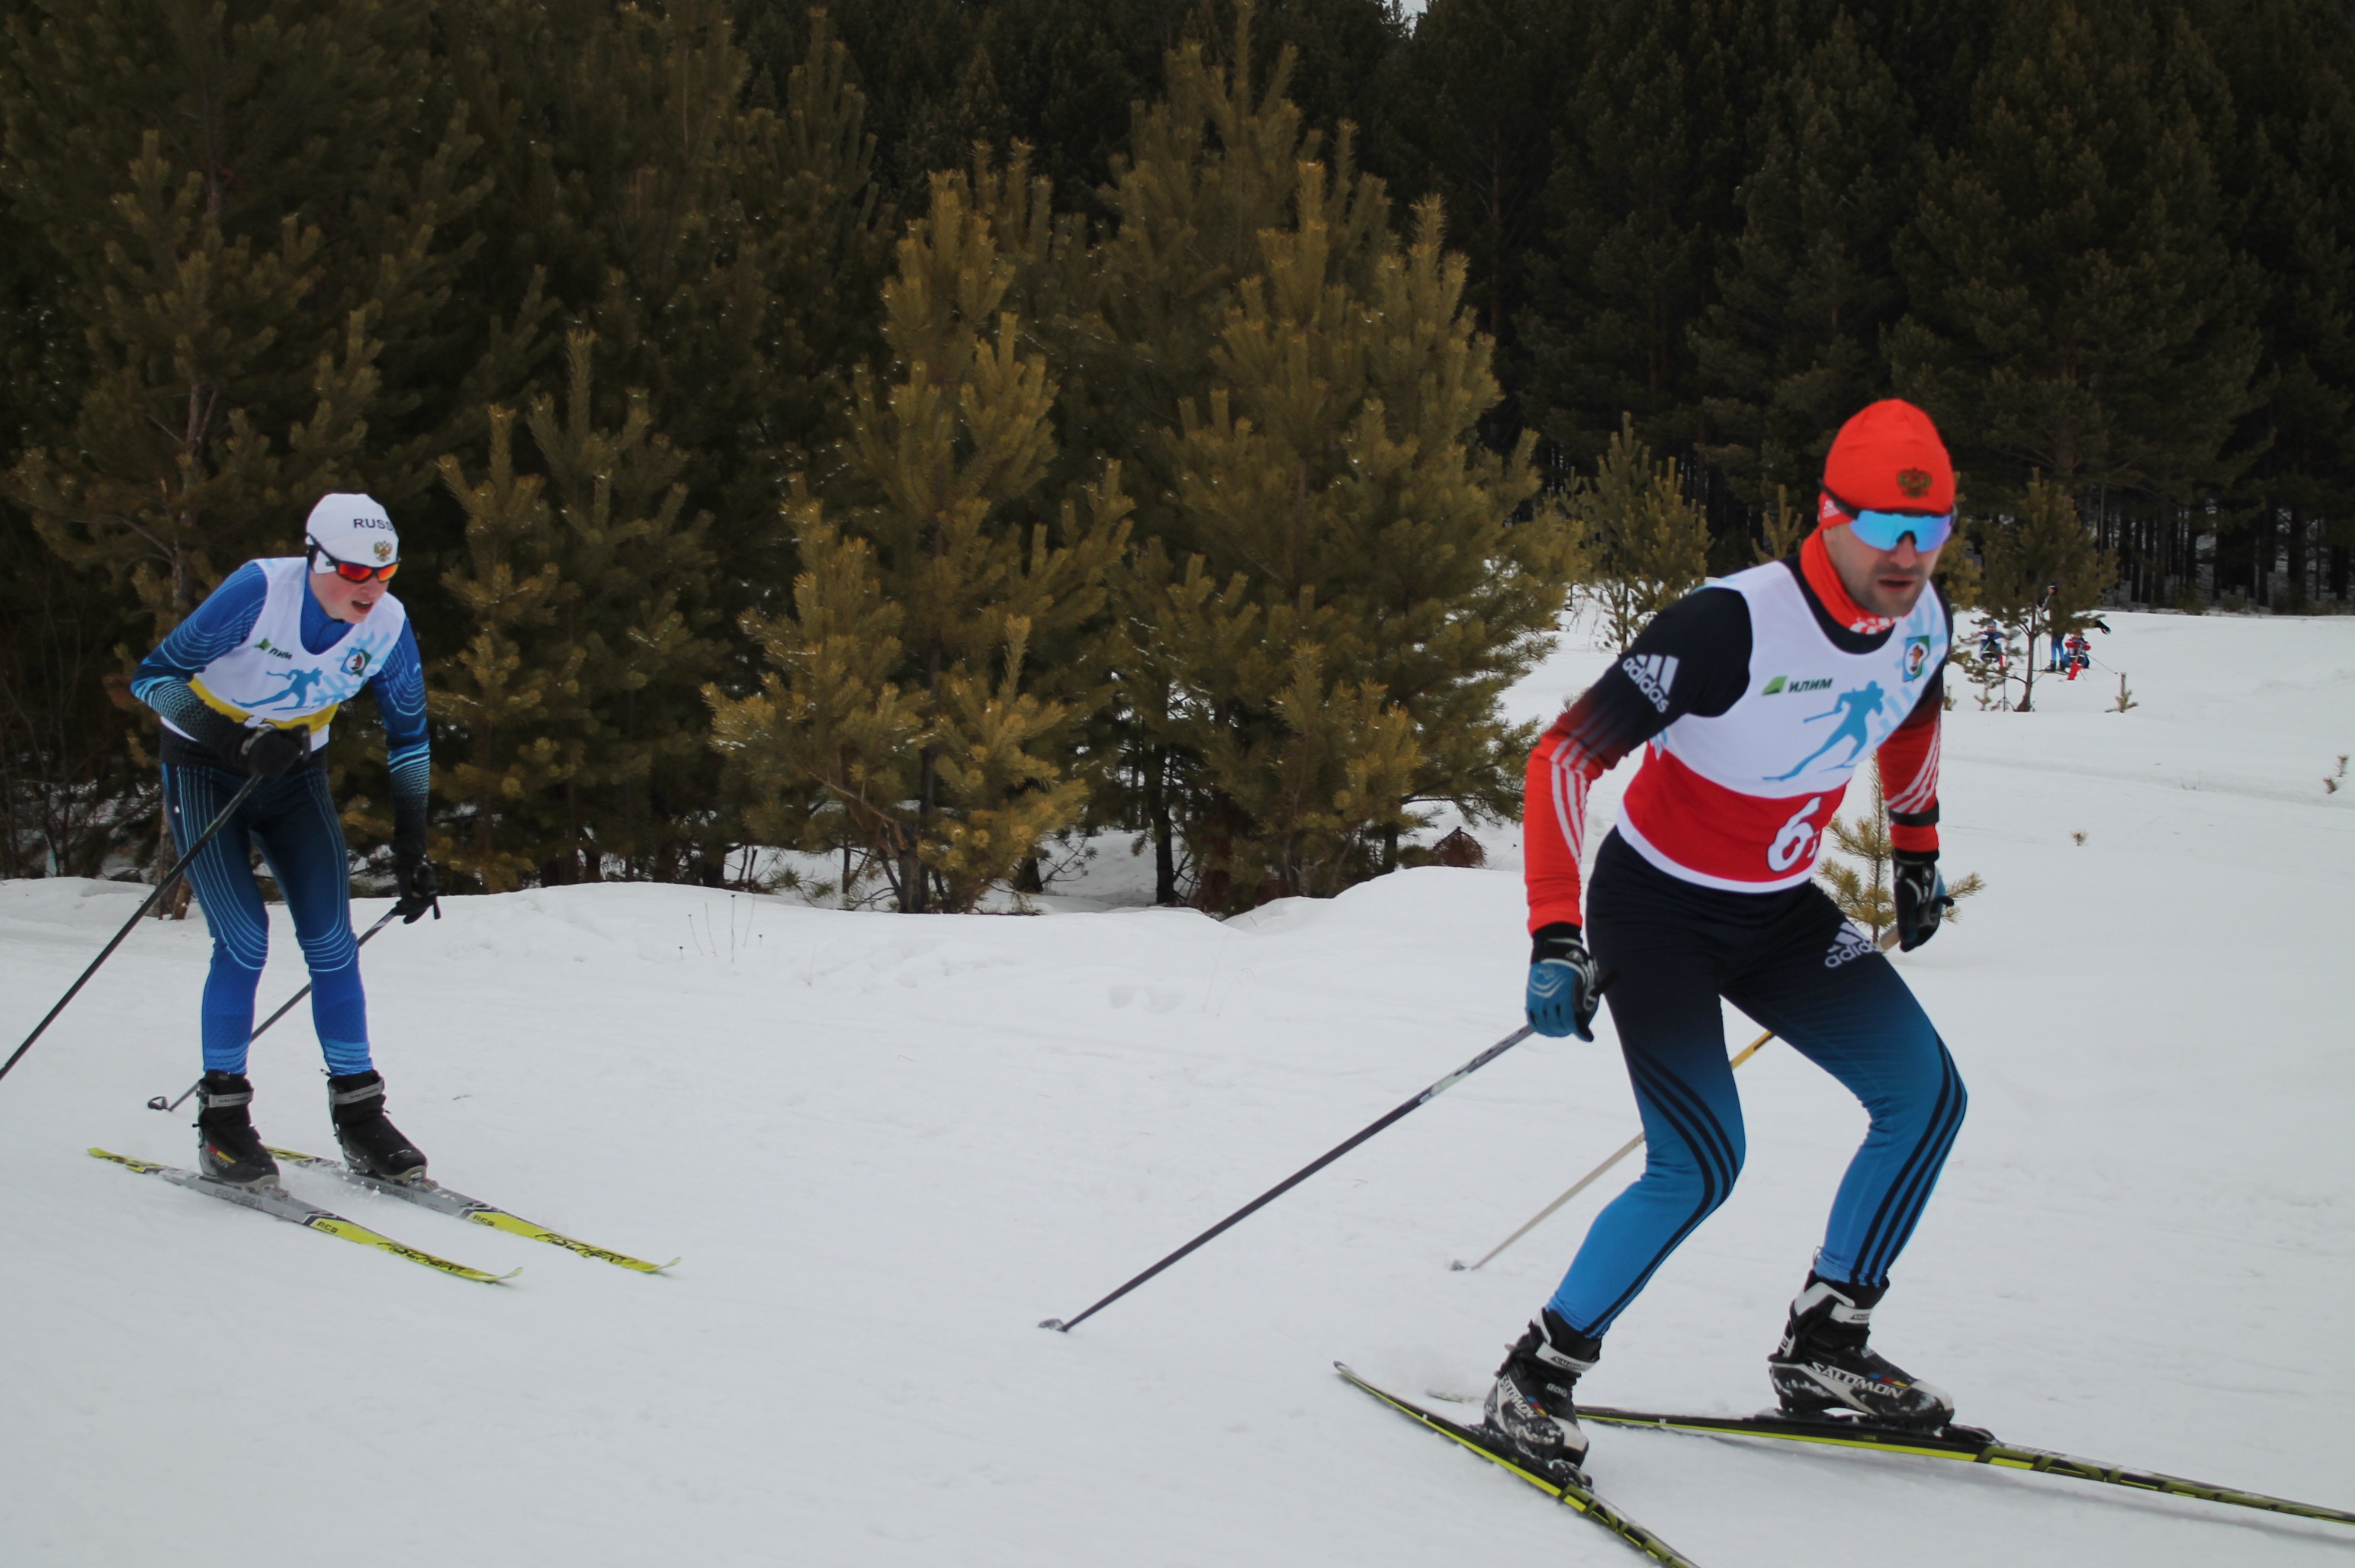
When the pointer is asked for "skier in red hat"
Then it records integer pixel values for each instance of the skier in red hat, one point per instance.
(1757, 697)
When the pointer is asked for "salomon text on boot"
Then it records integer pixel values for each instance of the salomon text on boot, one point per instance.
(371, 1143)
(1531, 1411)
(227, 1148)
(1823, 1368)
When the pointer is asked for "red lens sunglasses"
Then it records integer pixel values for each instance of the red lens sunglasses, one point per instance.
(352, 571)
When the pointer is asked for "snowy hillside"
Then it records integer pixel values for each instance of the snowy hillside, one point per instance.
(886, 1147)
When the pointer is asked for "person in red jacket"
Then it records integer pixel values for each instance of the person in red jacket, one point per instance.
(1755, 697)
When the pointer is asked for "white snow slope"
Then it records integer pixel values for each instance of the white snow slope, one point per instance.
(888, 1146)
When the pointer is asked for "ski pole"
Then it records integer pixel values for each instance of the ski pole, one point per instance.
(152, 899)
(1887, 940)
(160, 1104)
(1592, 1176)
(1065, 1325)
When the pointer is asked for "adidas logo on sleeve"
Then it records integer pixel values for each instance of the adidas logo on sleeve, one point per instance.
(1652, 674)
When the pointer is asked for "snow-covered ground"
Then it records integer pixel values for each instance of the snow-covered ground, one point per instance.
(886, 1147)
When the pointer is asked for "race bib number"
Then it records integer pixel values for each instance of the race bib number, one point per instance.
(1796, 840)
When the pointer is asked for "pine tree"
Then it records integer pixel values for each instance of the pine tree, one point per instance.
(1787, 528)
(2076, 308)
(1303, 774)
(1863, 893)
(1651, 547)
(1792, 347)
(2290, 65)
(574, 705)
(1478, 94)
(253, 219)
(1333, 468)
(2042, 573)
(1642, 188)
(1303, 392)
(944, 755)
(1061, 76)
(1866, 893)
(717, 230)
(76, 784)
(1210, 166)
(253, 210)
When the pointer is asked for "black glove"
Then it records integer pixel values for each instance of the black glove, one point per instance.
(413, 878)
(1563, 993)
(1922, 901)
(267, 753)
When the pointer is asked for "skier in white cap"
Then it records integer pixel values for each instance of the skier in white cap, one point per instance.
(247, 687)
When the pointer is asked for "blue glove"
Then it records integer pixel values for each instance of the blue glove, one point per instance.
(1921, 897)
(1562, 994)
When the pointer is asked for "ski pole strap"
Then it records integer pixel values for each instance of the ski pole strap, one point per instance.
(1065, 1325)
(166, 886)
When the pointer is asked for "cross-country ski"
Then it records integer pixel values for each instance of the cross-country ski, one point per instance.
(1967, 1443)
(1570, 1490)
(276, 1203)
(427, 1193)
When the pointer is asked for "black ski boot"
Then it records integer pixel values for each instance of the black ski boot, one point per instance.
(1530, 1409)
(371, 1143)
(227, 1148)
(1823, 1370)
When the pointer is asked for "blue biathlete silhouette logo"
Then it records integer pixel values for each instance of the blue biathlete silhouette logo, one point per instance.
(1860, 706)
(297, 692)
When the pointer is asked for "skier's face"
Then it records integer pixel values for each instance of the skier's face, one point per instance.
(352, 601)
(1884, 582)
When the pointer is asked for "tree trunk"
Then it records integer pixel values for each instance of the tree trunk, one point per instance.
(1157, 805)
(2261, 555)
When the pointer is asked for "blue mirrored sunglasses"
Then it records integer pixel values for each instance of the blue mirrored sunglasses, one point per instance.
(1882, 531)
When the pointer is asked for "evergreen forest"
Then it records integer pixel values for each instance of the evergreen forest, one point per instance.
(931, 435)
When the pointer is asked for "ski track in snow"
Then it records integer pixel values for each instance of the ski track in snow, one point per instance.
(886, 1147)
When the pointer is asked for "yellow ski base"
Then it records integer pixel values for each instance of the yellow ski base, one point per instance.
(458, 1206)
(500, 1219)
(294, 1211)
(1970, 1445)
(1575, 1496)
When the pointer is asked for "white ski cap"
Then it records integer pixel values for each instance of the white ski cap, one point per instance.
(353, 528)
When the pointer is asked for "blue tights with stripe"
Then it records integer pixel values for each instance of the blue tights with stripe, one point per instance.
(293, 820)
(1789, 960)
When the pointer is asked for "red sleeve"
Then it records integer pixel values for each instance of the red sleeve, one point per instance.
(1609, 721)
(1909, 776)
(1554, 823)
(1693, 658)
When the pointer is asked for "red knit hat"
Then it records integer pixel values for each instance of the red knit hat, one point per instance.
(1888, 459)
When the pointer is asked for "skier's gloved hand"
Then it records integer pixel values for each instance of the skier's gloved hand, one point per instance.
(413, 878)
(1921, 899)
(1563, 993)
(267, 753)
